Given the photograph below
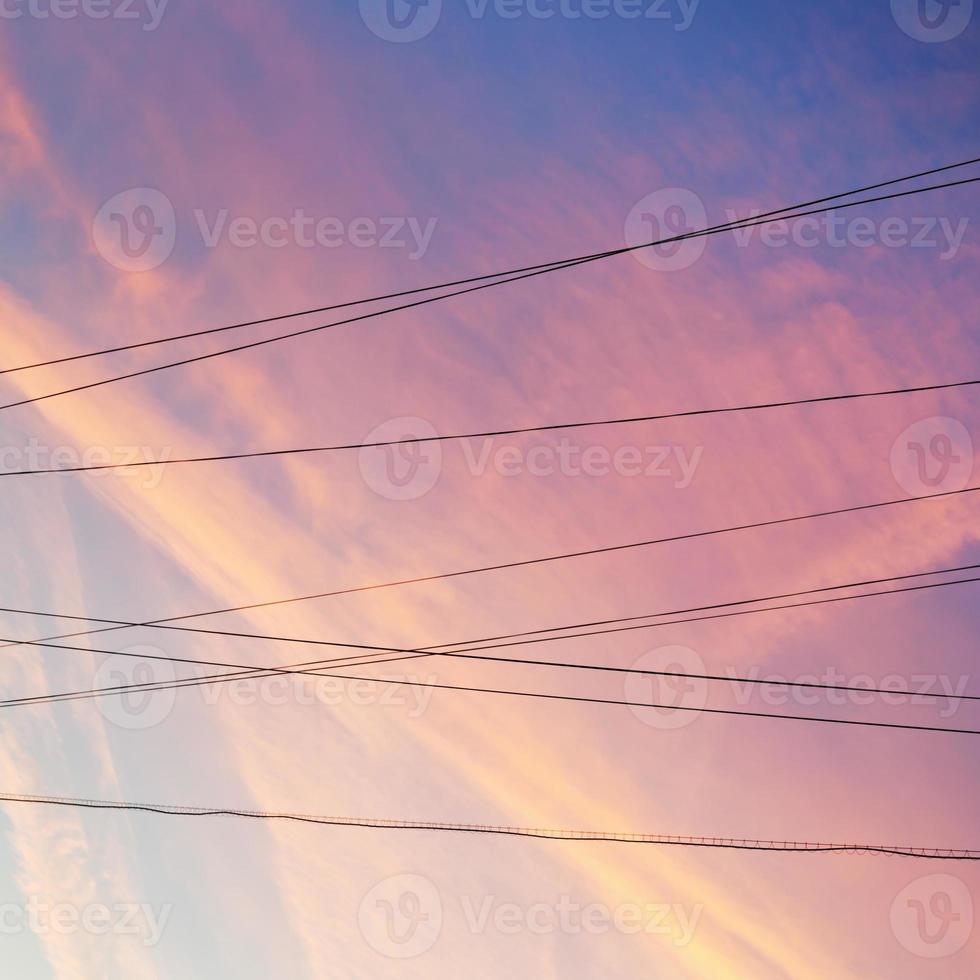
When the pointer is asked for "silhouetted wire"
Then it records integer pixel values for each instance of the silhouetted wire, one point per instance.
(251, 670)
(462, 649)
(595, 256)
(732, 843)
(471, 289)
(116, 625)
(492, 434)
(581, 699)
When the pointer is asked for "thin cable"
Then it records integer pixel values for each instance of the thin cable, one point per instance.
(459, 282)
(473, 571)
(726, 605)
(472, 289)
(436, 652)
(420, 652)
(252, 670)
(620, 619)
(728, 615)
(581, 699)
(733, 843)
(492, 434)
(724, 678)
(384, 657)
(470, 644)
(305, 667)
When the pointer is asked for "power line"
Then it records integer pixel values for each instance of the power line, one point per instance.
(595, 256)
(540, 696)
(439, 652)
(259, 672)
(492, 434)
(252, 670)
(730, 678)
(471, 289)
(580, 699)
(116, 625)
(732, 843)
(468, 646)
(742, 612)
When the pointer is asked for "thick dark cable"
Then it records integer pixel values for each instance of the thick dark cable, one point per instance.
(733, 843)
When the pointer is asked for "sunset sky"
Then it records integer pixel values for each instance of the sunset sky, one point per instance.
(295, 155)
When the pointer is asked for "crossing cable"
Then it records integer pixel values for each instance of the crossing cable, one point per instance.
(460, 647)
(268, 671)
(736, 225)
(462, 282)
(488, 568)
